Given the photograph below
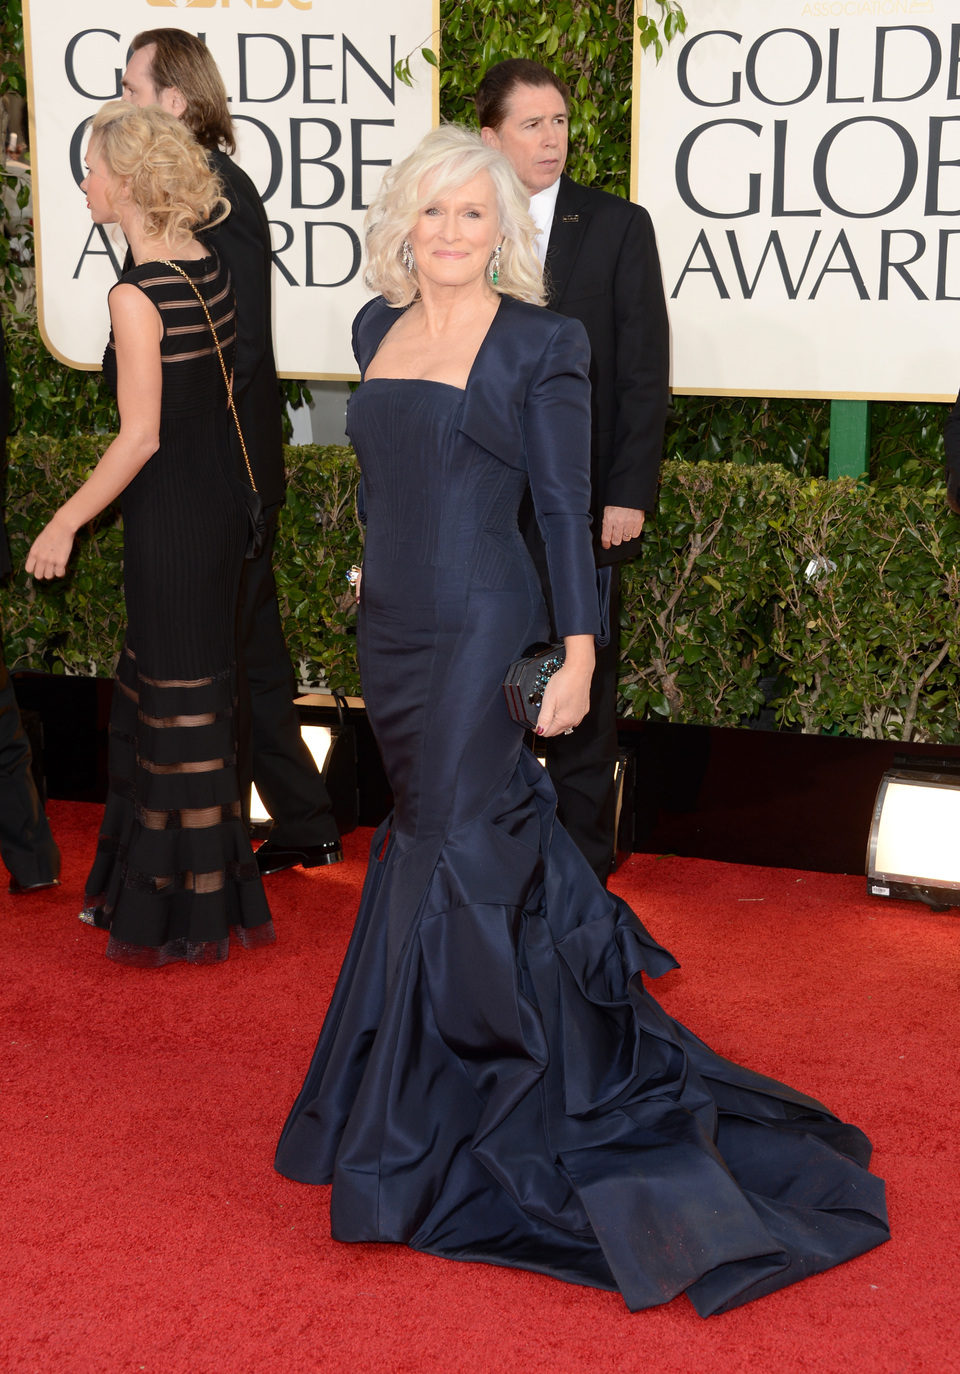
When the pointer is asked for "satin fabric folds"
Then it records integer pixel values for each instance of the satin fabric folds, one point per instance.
(492, 1081)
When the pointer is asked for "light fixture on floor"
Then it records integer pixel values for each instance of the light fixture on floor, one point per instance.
(913, 850)
(327, 730)
(318, 739)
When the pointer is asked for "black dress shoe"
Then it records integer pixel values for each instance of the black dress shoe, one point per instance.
(18, 888)
(274, 858)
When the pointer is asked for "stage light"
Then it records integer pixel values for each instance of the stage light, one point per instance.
(318, 739)
(913, 850)
(326, 726)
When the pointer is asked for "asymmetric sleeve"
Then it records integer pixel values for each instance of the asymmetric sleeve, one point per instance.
(556, 427)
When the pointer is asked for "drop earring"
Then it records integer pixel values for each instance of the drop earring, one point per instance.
(406, 257)
(495, 265)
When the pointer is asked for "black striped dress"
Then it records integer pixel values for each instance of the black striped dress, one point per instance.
(174, 872)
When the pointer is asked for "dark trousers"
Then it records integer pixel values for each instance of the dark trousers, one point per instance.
(272, 753)
(581, 765)
(26, 844)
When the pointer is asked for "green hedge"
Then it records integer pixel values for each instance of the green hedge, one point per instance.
(720, 619)
(906, 441)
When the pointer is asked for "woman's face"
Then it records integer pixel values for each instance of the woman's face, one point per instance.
(455, 234)
(101, 187)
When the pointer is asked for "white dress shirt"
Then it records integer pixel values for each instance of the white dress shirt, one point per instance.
(542, 206)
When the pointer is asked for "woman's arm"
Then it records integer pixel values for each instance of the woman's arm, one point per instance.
(137, 329)
(556, 431)
(556, 422)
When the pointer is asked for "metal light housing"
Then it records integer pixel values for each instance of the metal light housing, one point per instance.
(914, 846)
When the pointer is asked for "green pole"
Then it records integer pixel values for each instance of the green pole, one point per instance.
(849, 438)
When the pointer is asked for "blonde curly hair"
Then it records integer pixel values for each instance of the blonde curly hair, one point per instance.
(446, 159)
(166, 172)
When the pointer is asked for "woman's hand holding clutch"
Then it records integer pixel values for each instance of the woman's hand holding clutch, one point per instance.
(566, 697)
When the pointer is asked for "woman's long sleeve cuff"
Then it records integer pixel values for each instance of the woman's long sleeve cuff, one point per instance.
(573, 575)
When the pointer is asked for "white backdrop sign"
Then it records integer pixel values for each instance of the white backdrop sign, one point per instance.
(319, 114)
(801, 161)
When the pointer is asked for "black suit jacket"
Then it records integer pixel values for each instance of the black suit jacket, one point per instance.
(243, 243)
(603, 269)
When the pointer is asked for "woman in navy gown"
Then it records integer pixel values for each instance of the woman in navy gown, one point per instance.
(492, 1080)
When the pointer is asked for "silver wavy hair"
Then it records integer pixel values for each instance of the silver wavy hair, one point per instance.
(447, 158)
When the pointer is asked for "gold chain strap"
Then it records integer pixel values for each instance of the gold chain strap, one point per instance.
(223, 367)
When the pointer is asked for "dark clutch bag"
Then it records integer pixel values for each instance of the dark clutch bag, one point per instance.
(256, 520)
(526, 679)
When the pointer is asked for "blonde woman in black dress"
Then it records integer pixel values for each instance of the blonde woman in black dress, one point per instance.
(174, 872)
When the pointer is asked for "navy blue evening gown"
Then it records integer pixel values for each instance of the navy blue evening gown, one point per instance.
(492, 1080)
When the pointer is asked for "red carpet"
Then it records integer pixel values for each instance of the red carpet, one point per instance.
(145, 1230)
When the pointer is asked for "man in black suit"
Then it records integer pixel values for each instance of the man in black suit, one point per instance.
(26, 844)
(601, 267)
(173, 69)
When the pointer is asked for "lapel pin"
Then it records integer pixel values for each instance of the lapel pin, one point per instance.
(571, 219)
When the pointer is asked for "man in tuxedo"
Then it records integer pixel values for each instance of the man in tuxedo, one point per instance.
(26, 844)
(601, 267)
(173, 69)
